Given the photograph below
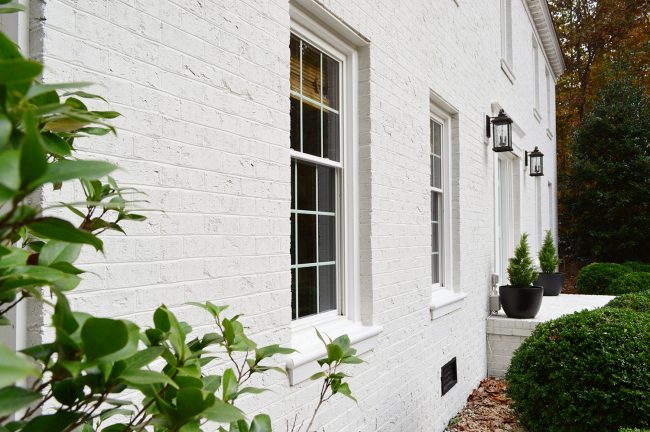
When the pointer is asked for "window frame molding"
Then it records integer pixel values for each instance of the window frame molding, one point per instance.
(347, 247)
(507, 49)
(327, 33)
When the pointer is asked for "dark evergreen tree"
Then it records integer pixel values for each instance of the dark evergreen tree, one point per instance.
(608, 181)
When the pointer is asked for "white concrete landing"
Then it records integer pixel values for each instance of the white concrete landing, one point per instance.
(504, 335)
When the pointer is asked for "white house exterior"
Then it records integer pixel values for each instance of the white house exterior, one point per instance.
(212, 92)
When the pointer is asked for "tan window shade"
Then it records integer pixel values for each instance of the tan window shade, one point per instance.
(311, 73)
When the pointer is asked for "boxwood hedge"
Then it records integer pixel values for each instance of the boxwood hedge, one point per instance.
(638, 266)
(629, 283)
(637, 302)
(585, 372)
(596, 277)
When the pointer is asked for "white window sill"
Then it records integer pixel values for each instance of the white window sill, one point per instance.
(507, 69)
(444, 302)
(302, 364)
(537, 115)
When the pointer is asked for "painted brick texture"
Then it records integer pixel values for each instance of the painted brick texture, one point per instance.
(203, 87)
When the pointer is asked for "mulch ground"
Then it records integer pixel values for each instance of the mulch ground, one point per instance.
(488, 410)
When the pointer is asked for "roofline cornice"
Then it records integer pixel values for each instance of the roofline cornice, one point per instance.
(546, 30)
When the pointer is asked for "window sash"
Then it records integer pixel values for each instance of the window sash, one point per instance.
(298, 156)
(437, 185)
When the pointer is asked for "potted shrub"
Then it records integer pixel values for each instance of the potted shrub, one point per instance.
(521, 299)
(548, 278)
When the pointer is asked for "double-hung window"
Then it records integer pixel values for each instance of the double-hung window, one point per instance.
(437, 203)
(316, 179)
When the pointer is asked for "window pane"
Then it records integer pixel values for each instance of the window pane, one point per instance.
(327, 288)
(295, 123)
(306, 239)
(435, 268)
(294, 47)
(331, 135)
(326, 189)
(293, 184)
(306, 186)
(435, 237)
(293, 238)
(310, 72)
(330, 82)
(437, 139)
(326, 238)
(306, 291)
(434, 207)
(437, 175)
(311, 124)
(293, 294)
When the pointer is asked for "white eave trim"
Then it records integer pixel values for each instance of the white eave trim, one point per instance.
(548, 37)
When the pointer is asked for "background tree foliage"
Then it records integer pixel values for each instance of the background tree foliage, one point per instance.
(596, 36)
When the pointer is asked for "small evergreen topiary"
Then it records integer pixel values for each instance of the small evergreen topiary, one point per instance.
(585, 372)
(548, 259)
(521, 271)
(636, 302)
(596, 277)
(629, 283)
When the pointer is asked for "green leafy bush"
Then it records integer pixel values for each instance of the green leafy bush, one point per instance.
(596, 277)
(637, 302)
(80, 375)
(585, 372)
(548, 259)
(521, 271)
(633, 430)
(629, 283)
(638, 266)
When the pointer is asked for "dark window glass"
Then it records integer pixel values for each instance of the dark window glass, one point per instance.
(331, 135)
(326, 238)
(293, 238)
(293, 294)
(327, 288)
(311, 124)
(306, 180)
(306, 239)
(326, 189)
(307, 292)
(295, 123)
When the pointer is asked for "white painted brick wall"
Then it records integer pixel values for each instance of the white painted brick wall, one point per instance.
(203, 86)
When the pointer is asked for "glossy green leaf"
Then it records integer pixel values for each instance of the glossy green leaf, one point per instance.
(146, 377)
(229, 385)
(143, 358)
(106, 414)
(103, 336)
(211, 383)
(38, 89)
(51, 423)
(85, 95)
(8, 49)
(33, 160)
(15, 367)
(56, 251)
(10, 169)
(18, 70)
(271, 350)
(73, 169)
(5, 129)
(222, 412)
(191, 401)
(59, 229)
(67, 391)
(14, 398)
(261, 423)
(55, 144)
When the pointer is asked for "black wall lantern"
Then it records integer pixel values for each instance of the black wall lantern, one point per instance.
(536, 158)
(501, 131)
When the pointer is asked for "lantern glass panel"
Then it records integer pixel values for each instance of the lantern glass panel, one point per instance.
(502, 135)
(536, 166)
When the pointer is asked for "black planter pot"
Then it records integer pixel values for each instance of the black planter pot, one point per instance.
(521, 302)
(552, 283)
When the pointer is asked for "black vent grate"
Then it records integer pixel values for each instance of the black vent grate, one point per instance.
(448, 376)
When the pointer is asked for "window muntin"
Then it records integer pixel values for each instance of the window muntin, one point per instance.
(315, 180)
(437, 200)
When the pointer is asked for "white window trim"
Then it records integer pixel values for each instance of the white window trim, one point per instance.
(347, 318)
(536, 81)
(506, 40)
(445, 297)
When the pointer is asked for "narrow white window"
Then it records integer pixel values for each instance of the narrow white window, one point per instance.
(506, 31)
(536, 75)
(316, 176)
(437, 203)
(549, 101)
(551, 202)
